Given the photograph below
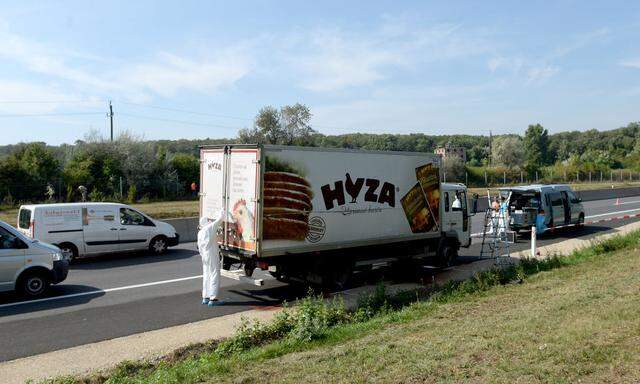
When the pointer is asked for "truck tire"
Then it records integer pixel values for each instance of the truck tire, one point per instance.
(249, 266)
(70, 249)
(158, 245)
(33, 283)
(226, 263)
(580, 223)
(447, 253)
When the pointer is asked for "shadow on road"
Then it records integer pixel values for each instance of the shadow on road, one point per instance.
(117, 260)
(12, 303)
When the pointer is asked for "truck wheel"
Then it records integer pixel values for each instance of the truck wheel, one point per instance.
(447, 253)
(158, 245)
(69, 249)
(249, 267)
(33, 283)
(580, 221)
(226, 263)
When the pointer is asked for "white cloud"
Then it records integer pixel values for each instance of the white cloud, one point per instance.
(165, 74)
(632, 63)
(513, 64)
(170, 73)
(581, 41)
(520, 68)
(334, 59)
(540, 74)
(24, 98)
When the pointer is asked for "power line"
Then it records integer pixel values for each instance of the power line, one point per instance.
(46, 101)
(186, 111)
(176, 121)
(210, 114)
(52, 114)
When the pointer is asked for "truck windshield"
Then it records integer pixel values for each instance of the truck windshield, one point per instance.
(24, 218)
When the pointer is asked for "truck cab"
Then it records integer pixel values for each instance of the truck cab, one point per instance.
(454, 207)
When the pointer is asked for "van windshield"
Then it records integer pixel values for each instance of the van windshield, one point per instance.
(24, 218)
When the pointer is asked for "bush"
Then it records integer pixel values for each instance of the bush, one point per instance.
(96, 195)
(131, 194)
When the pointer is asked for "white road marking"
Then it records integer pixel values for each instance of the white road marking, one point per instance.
(97, 291)
(628, 202)
(612, 213)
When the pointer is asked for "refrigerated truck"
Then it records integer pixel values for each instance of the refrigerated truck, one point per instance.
(318, 214)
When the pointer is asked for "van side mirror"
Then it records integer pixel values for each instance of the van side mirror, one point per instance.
(474, 204)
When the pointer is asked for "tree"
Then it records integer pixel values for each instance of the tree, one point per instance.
(454, 169)
(536, 142)
(295, 124)
(287, 126)
(508, 151)
(187, 168)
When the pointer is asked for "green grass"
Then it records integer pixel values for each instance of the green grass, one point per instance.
(568, 319)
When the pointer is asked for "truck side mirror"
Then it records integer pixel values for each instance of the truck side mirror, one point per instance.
(474, 204)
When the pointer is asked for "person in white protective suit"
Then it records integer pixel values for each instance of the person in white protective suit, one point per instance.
(209, 251)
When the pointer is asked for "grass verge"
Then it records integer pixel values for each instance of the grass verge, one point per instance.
(562, 319)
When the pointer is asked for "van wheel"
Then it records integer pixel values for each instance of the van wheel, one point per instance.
(158, 245)
(69, 249)
(33, 284)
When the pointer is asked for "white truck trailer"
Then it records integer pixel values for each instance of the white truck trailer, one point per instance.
(318, 214)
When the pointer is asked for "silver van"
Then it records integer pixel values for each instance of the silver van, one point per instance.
(28, 266)
(545, 206)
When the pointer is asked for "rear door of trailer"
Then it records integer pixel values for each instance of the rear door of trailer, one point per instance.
(230, 180)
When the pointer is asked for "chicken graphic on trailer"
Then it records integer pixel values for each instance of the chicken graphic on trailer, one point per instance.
(315, 214)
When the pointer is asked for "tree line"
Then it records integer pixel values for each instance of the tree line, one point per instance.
(131, 169)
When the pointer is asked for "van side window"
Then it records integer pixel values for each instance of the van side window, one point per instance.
(446, 201)
(131, 217)
(572, 197)
(7, 240)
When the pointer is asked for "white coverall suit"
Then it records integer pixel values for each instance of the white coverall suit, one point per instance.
(209, 251)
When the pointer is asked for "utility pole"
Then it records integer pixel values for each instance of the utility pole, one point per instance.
(490, 150)
(111, 118)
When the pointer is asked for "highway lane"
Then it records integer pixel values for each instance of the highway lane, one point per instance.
(37, 327)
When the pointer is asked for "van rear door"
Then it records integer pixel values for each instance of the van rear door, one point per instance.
(100, 228)
(25, 221)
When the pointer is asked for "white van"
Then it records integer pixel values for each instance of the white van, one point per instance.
(95, 228)
(28, 265)
(545, 206)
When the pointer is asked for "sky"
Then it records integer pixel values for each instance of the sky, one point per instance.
(198, 69)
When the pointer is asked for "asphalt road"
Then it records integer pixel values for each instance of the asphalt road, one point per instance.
(119, 295)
